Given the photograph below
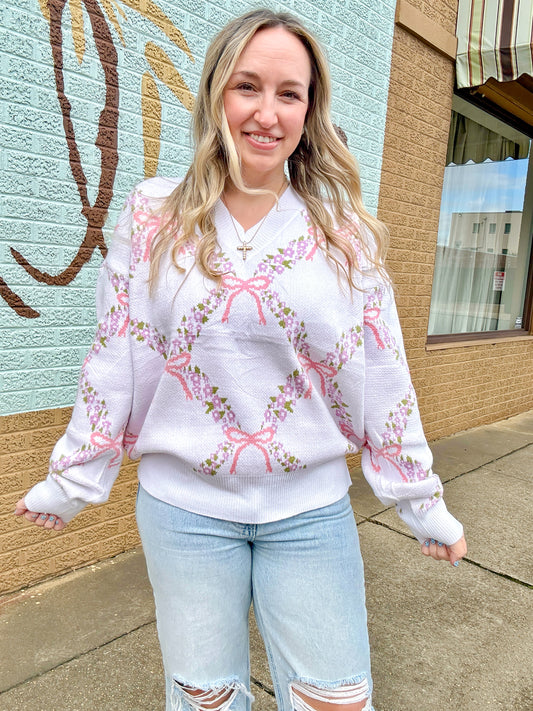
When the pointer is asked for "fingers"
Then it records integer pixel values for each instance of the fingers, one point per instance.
(435, 549)
(56, 523)
(49, 522)
(457, 551)
(439, 551)
(31, 516)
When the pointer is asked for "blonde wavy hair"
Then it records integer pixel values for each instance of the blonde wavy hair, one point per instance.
(321, 170)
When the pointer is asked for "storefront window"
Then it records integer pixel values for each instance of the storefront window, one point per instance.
(485, 230)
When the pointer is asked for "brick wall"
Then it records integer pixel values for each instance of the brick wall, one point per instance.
(458, 388)
(27, 554)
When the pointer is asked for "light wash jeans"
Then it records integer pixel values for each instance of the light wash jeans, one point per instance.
(304, 575)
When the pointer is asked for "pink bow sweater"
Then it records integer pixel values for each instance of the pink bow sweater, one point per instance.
(242, 398)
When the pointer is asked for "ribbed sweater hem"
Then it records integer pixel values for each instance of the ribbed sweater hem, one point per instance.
(240, 498)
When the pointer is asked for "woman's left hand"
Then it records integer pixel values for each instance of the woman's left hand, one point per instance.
(440, 551)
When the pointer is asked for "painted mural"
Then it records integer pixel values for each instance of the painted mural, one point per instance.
(101, 17)
(96, 94)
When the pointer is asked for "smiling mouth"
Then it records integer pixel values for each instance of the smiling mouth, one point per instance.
(262, 139)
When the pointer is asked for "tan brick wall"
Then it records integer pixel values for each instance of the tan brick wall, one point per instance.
(458, 388)
(442, 12)
(28, 554)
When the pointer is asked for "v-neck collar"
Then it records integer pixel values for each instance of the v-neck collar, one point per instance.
(230, 232)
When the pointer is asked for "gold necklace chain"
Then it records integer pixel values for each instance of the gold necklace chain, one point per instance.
(245, 245)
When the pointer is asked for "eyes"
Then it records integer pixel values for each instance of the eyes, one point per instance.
(245, 87)
(289, 94)
(250, 89)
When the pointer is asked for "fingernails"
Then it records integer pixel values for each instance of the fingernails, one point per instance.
(34, 516)
(440, 544)
(426, 543)
(456, 564)
(433, 540)
(44, 517)
(52, 518)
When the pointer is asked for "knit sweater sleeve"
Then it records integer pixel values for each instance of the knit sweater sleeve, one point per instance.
(86, 460)
(396, 459)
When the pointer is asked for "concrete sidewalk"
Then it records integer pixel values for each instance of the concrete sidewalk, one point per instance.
(442, 639)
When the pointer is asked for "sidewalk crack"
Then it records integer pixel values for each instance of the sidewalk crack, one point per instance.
(465, 559)
(262, 686)
(74, 658)
(486, 464)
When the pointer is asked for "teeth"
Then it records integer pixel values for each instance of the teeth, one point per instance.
(263, 139)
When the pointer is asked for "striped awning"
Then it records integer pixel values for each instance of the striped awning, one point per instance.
(494, 39)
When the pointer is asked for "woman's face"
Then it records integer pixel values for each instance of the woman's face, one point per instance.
(266, 101)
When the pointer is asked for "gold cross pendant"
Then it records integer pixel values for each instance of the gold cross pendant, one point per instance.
(244, 247)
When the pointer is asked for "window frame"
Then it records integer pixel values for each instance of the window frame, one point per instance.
(448, 340)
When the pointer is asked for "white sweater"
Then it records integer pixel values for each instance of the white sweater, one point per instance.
(243, 399)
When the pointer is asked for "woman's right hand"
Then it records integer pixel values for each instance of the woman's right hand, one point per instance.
(437, 550)
(50, 522)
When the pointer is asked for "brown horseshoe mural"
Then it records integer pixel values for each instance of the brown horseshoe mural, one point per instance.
(107, 137)
(16, 303)
(106, 141)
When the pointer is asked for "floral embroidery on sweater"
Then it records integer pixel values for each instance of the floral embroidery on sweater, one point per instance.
(344, 351)
(297, 384)
(373, 321)
(115, 323)
(287, 256)
(287, 319)
(391, 450)
(324, 388)
(175, 365)
(195, 384)
(101, 426)
(150, 225)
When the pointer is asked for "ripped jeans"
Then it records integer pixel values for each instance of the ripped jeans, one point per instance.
(304, 575)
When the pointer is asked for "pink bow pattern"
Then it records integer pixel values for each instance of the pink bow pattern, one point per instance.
(389, 453)
(251, 286)
(392, 451)
(347, 430)
(245, 439)
(371, 316)
(130, 440)
(124, 300)
(103, 443)
(315, 234)
(321, 369)
(173, 367)
(151, 223)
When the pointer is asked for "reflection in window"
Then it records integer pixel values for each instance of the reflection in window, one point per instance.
(484, 240)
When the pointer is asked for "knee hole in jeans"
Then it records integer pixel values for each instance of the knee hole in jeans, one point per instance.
(218, 697)
(306, 696)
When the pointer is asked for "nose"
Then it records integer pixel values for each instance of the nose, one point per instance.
(265, 113)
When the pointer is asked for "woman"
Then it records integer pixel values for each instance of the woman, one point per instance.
(247, 340)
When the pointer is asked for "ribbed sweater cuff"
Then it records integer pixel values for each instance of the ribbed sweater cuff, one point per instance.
(49, 497)
(437, 522)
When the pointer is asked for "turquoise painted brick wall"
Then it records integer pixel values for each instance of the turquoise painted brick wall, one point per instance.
(40, 206)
